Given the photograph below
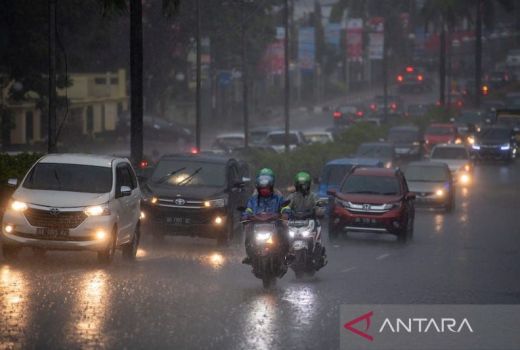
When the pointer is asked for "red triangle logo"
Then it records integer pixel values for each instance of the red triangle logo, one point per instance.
(366, 317)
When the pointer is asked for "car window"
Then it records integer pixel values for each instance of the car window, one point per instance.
(123, 177)
(279, 139)
(334, 174)
(69, 177)
(450, 153)
(426, 174)
(367, 184)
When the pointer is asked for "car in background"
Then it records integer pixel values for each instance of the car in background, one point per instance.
(497, 79)
(513, 58)
(495, 142)
(432, 184)
(196, 195)
(374, 122)
(407, 141)
(373, 200)
(347, 114)
(394, 106)
(417, 110)
(440, 133)
(382, 151)
(318, 136)
(469, 122)
(458, 160)
(334, 171)
(413, 79)
(74, 202)
(156, 128)
(510, 118)
(229, 142)
(276, 139)
(258, 134)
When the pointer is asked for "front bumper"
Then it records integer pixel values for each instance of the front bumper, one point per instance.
(387, 222)
(492, 153)
(431, 200)
(175, 221)
(82, 237)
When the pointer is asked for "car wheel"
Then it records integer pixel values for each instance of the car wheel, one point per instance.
(39, 252)
(10, 252)
(106, 256)
(130, 249)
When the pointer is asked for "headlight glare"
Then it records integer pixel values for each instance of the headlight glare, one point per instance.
(18, 206)
(505, 147)
(215, 203)
(97, 210)
(439, 192)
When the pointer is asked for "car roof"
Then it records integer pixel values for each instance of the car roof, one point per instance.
(202, 158)
(355, 161)
(230, 134)
(278, 132)
(429, 164)
(374, 172)
(81, 159)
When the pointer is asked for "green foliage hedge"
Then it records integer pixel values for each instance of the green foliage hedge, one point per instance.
(14, 166)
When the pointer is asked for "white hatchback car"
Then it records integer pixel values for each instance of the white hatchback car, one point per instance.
(74, 202)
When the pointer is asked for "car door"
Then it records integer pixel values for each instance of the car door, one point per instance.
(125, 203)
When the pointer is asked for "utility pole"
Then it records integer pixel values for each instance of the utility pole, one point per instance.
(442, 68)
(197, 93)
(245, 77)
(136, 80)
(51, 131)
(286, 66)
(478, 56)
(385, 71)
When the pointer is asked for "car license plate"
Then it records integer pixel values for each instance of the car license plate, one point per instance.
(178, 221)
(298, 245)
(52, 232)
(366, 221)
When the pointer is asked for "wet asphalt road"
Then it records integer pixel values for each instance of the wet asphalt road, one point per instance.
(189, 294)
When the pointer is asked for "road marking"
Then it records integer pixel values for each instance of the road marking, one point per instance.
(383, 256)
(349, 269)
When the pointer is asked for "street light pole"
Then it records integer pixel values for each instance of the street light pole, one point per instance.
(286, 66)
(51, 126)
(245, 77)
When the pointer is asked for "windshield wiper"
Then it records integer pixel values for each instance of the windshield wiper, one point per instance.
(364, 192)
(167, 176)
(189, 178)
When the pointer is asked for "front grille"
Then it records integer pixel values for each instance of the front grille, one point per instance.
(63, 220)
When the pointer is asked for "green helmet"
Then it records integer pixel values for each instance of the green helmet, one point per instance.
(266, 171)
(302, 182)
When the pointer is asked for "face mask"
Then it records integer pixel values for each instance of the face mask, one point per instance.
(264, 192)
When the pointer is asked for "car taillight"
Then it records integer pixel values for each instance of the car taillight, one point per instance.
(143, 164)
(420, 77)
(194, 150)
(373, 106)
(409, 69)
(336, 115)
(399, 78)
(459, 103)
(359, 113)
(485, 90)
(393, 106)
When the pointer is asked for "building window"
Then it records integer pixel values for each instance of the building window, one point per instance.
(100, 81)
(90, 119)
(29, 126)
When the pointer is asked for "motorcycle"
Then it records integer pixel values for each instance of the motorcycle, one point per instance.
(268, 256)
(305, 244)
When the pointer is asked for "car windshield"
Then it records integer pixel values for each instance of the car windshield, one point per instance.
(69, 177)
(375, 151)
(317, 138)
(334, 174)
(426, 174)
(347, 109)
(379, 185)
(258, 136)
(439, 130)
(470, 118)
(175, 172)
(403, 136)
(279, 139)
(450, 153)
(493, 134)
(230, 141)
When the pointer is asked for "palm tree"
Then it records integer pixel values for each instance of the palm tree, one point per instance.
(170, 7)
(443, 14)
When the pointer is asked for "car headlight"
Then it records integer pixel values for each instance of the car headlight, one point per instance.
(215, 203)
(388, 165)
(458, 141)
(439, 192)
(263, 236)
(465, 178)
(389, 206)
(97, 210)
(471, 140)
(505, 147)
(416, 143)
(18, 206)
(475, 147)
(154, 200)
(466, 167)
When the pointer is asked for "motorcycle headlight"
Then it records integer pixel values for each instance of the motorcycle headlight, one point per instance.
(465, 167)
(475, 147)
(18, 206)
(215, 203)
(292, 232)
(263, 236)
(439, 192)
(505, 147)
(306, 233)
(471, 140)
(97, 210)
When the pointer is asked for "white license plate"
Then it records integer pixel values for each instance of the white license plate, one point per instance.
(52, 232)
(178, 221)
(299, 245)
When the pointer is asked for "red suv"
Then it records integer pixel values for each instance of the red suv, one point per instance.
(373, 200)
(440, 133)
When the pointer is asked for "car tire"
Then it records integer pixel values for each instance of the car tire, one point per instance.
(106, 256)
(10, 252)
(130, 249)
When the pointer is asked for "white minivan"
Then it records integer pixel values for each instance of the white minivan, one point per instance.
(74, 202)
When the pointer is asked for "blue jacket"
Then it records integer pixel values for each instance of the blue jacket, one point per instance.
(256, 205)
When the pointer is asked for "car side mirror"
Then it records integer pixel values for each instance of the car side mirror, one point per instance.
(410, 196)
(332, 192)
(125, 191)
(12, 182)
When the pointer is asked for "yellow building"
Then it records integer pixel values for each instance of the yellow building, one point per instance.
(96, 101)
